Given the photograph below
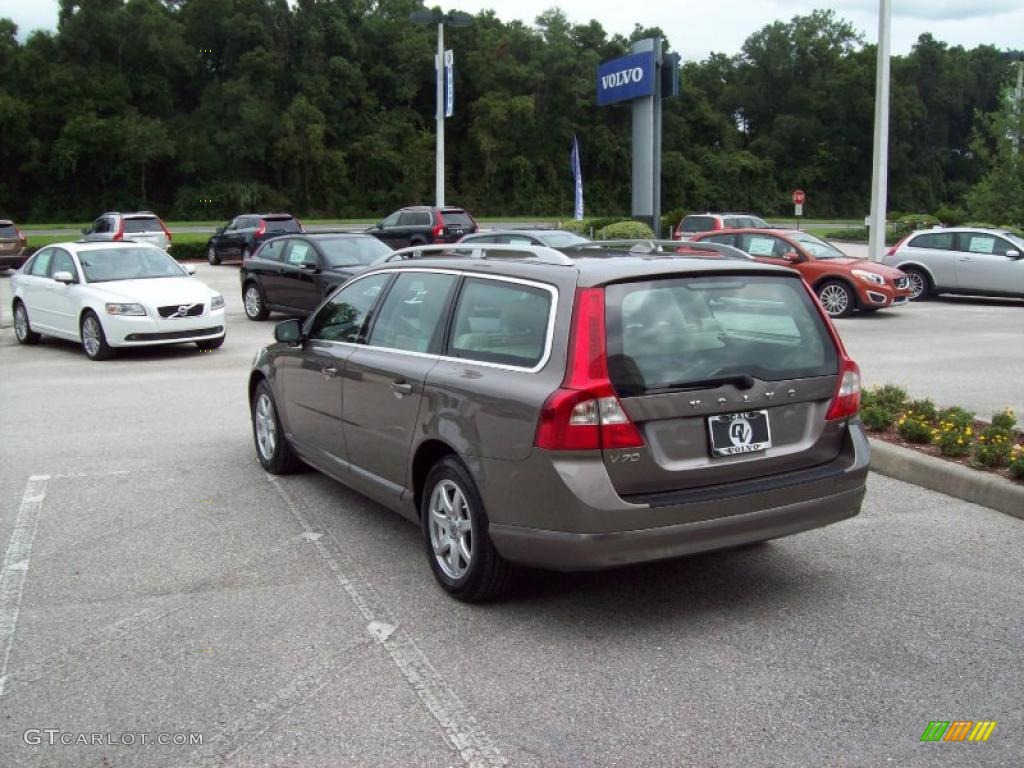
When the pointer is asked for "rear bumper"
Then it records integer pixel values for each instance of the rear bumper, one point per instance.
(593, 551)
(568, 516)
(13, 260)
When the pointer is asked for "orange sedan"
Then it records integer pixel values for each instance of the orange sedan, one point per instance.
(842, 283)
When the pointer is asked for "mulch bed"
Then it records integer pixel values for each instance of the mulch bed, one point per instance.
(892, 436)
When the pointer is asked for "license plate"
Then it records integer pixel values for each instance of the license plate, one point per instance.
(734, 433)
(457, 231)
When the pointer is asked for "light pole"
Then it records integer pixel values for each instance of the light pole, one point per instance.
(880, 171)
(455, 19)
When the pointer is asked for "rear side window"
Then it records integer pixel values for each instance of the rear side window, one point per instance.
(8, 230)
(698, 224)
(939, 241)
(457, 219)
(142, 224)
(299, 252)
(762, 245)
(409, 317)
(271, 250)
(671, 334)
(499, 322)
(279, 225)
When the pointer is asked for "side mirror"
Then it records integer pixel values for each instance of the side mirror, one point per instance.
(288, 332)
(64, 277)
(310, 264)
(792, 256)
(1013, 254)
(379, 225)
(86, 230)
(189, 268)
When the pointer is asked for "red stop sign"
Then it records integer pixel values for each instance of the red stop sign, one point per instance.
(799, 197)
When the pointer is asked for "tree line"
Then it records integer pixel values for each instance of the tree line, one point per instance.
(202, 108)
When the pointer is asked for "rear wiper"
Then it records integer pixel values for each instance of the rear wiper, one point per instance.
(738, 380)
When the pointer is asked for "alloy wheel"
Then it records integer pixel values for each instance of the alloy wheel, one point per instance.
(451, 529)
(917, 285)
(834, 299)
(20, 323)
(91, 336)
(266, 426)
(253, 302)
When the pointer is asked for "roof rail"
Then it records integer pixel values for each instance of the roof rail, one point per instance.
(541, 253)
(663, 248)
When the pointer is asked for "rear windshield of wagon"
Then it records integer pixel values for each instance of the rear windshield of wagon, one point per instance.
(677, 333)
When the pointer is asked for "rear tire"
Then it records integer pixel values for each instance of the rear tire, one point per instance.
(22, 328)
(211, 256)
(254, 302)
(208, 345)
(455, 534)
(920, 285)
(94, 340)
(837, 298)
(272, 448)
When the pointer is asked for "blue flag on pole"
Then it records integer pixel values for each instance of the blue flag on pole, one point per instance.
(577, 177)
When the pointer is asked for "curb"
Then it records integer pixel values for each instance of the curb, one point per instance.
(936, 474)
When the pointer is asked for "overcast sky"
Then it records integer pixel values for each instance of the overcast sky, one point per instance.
(717, 25)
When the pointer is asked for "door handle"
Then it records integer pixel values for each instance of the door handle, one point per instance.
(329, 371)
(402, 387)
(966, 258)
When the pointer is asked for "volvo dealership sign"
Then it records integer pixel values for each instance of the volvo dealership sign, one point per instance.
(630, 77)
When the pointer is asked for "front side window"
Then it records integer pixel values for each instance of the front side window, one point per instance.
(343, 316)
(101, 225)
(40, 266)
(392, 220)
(409, 317)
(500, 322)
(300, 252)
(984, 244)
(353, 251)
(671, 334)
(142, 263)
(62, 262)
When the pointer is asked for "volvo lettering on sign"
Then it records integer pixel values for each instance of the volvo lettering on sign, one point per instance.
(630, 77)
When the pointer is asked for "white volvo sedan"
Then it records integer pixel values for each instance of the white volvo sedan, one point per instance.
(109, 295)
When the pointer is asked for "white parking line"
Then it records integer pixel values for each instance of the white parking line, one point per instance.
(460, 728)
(12, 578)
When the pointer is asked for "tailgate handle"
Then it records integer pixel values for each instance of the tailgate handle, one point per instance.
(401, 388)
(329, 371)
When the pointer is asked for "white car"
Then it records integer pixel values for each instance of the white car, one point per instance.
(109, 295)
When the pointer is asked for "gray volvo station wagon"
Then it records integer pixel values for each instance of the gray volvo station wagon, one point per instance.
(606, 405)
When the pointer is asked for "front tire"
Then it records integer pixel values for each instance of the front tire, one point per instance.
(920, 285)
(22, 328)
(211, 256)
(272, 448)
(837, 298)
(455, 533)
(254, 302)
(94, 340)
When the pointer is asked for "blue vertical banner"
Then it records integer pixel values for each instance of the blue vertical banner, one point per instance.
(577, 177)
(449, 83)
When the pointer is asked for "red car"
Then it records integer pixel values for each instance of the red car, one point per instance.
(842, 283)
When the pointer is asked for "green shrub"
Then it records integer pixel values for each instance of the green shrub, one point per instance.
(953, 439)
(590, 225)
(915, 428)
(923, 409)
(188, 251)
(956, 416)
(890, 396)
(625, 230)
(913, 221)
(1005, 419)
(1017, 462)
(951, 217)
(877, 417)
(993, 448)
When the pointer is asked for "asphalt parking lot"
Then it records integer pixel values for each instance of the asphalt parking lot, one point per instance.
(165, 585)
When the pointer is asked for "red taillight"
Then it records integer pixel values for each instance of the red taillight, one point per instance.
(20, 236)
(846, 400)
(167, 232)
(584, 414)
(892, 251)
(718, 224)
(438, 231)
(262, 228)
(119, 235)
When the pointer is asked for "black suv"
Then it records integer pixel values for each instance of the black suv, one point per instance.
(240, 237)
(294, 274)
(422, 225)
